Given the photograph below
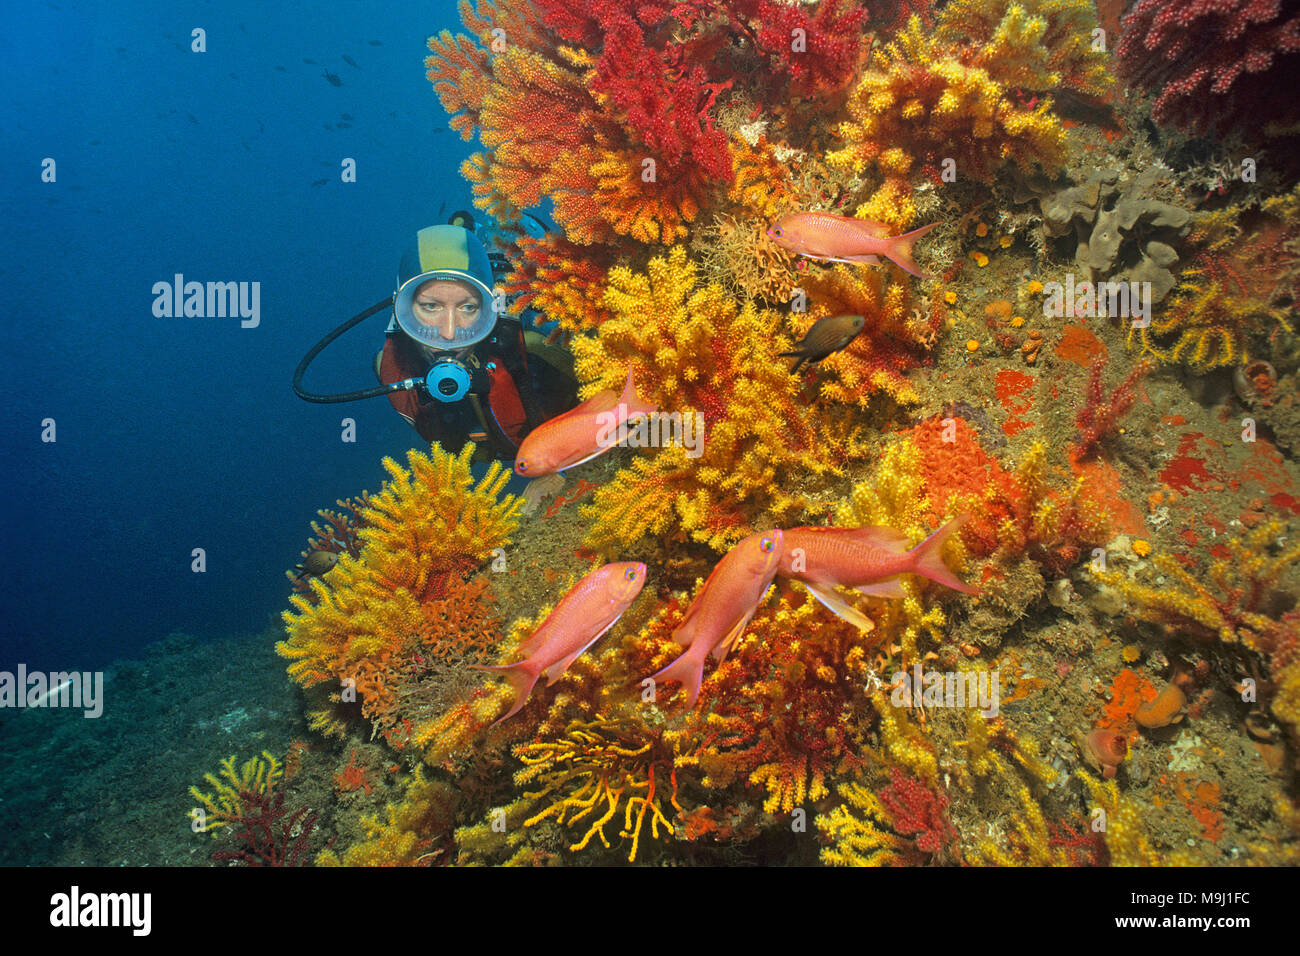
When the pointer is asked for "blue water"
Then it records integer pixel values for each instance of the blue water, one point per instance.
(183, 433)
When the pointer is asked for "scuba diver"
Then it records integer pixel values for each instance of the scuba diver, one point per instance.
(456, 364)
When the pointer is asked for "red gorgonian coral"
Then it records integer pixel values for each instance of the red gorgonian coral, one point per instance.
(1211, 63)
(917, 811)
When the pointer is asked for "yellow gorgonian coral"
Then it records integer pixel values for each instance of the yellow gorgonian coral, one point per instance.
(1237, 298)
(858, 830)
(695, 351)
(593, 775)
(928, 103)
(364, 619)
(1037, 45)
(225, 804)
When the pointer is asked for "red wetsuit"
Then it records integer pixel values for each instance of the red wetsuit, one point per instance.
(437, 421)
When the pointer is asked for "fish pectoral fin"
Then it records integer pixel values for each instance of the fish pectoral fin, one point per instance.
(888, 588)
(723, 646)
(556, 670)
(595, 454)
(839, 607)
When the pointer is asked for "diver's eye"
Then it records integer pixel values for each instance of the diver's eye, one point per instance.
(469, 308)
(630, 574)
(767, 545)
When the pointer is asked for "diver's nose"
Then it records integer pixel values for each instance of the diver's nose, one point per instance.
(447, 325)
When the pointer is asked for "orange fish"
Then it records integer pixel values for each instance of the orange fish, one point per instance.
(824, 235)
(590, 609)
(869, 559)
(723, 608)
(580, 434)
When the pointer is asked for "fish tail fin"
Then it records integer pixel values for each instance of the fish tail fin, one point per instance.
(688, 669)
(900, 250)
(927, 558)
(635, 406)
(522, 677)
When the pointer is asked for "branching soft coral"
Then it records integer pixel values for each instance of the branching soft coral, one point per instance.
(1239, 295)
(898, 335)
(373, 614)
(410, 832)
(543, 133)
(1228, 601)
(335, 533)
(905, 824)
(619, 135)
(938, 470)
(560, 279)
(693, 348)
(1214, 64)
(741, 256)
(1056, 37)
(816, 51)
(786, 711)
(925, 101)
(584, 777)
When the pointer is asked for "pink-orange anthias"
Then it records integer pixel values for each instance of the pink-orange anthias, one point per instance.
(583, 615)
(580, 434)
(824, 235)
(869, 559)
(723, 608)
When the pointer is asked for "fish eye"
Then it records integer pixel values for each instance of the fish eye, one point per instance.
(630, 574)
(521, 465)
(767, 545)
(776, 231)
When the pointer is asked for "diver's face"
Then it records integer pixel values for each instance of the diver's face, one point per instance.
(447, 306)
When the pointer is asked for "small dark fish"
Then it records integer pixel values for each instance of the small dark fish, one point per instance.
(346, 116)
(309, 62)
(193, 119)
(376, 42)
(441, 209)
(328, 125)
(233, 76)
(320, 182)
(349, 61)
(94, 142)
(282, 69)
(316, 563)
(342, 125)
(333, 78)
(828, 335)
